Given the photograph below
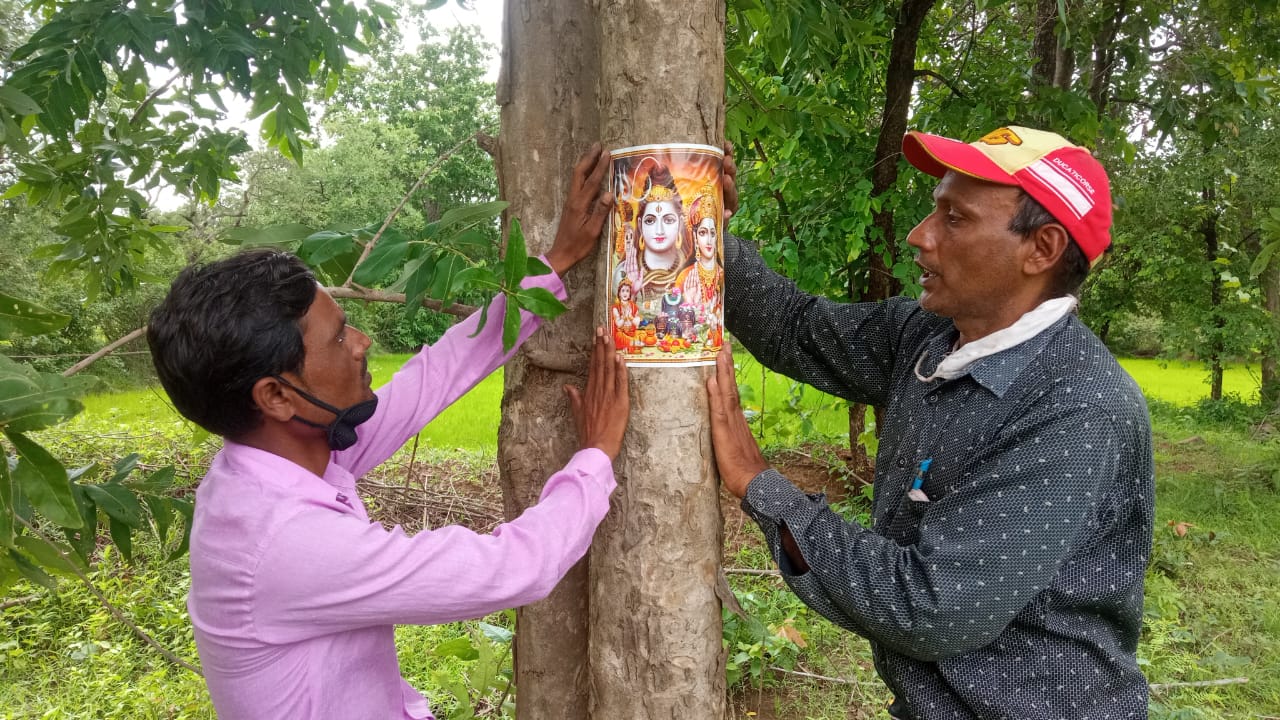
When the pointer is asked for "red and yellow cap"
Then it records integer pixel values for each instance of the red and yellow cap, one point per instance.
(1066, 179)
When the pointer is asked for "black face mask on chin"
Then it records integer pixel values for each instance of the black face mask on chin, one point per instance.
(341, 431)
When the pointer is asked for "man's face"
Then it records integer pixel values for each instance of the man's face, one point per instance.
(660, 225)
(970, 259)
(335, 368)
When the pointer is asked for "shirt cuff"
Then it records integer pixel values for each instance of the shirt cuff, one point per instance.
(550, 282)
(594, 463)
(772, 500)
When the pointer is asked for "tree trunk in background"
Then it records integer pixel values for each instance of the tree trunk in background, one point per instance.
(547, 96)
(1044, 48)
(881, 284)
(1270, 280)
(655, 651)
(1209, 228)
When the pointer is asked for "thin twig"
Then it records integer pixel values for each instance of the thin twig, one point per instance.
(842, 681)
(348, 293)
(115, 612)
(103, 352)
(1200, 683)
(151, 98)
(18, 601)
(368, 248)
(752, 571)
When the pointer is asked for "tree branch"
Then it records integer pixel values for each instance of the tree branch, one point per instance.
(1157, 687)
(103, 352)
(349, 293)
(115, 612)
(368, 248)
(151, 98)
(930, 73)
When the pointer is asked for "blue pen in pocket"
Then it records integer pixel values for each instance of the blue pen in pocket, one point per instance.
(915, 493)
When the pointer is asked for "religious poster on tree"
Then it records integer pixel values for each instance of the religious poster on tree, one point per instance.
(665, 256)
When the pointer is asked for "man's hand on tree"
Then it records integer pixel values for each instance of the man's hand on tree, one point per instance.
(737, 453)
(584, 213)
(602, 410)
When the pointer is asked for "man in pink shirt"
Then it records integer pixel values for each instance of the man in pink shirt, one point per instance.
(295, 594)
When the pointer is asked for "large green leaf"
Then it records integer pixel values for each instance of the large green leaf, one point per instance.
(31, 571)
(28, 318)
(321, 247)
(33, 401)
(279, 236)
(117, 502)
(510, 326)
(6, 504)
(17, 101)
(50, 555)
(470, 215)
(385, 256)
(44, 482)
(540, 301)
(517, 257)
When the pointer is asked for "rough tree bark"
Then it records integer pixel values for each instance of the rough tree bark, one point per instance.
(655, 650)
(547, 96)
(651, 647)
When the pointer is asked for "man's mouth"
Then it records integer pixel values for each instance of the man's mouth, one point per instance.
(926, 272)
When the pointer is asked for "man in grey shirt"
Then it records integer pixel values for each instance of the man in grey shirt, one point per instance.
(1014, 492)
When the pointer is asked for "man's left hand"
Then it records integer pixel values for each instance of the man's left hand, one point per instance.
(584, 213)
(737, 454)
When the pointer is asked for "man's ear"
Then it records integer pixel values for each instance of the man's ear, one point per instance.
(272, 400)
(1044, 248)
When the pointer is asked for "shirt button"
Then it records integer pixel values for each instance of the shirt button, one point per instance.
(902, 462)
(932, 399)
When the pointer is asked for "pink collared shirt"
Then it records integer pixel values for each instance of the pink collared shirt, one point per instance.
(295, 594)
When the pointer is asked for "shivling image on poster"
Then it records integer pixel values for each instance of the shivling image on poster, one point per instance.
(666, 269)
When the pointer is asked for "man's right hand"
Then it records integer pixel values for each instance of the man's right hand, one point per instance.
(602, 410)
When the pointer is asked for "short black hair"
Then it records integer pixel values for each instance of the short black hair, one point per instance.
(1072, 267)
(225, 325)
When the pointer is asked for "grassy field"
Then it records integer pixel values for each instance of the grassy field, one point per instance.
(472, 422)
(1212, 610)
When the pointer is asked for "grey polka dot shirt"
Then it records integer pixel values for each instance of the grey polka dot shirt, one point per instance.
(1015, 590)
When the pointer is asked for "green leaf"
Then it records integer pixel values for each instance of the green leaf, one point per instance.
(117, 502)
(28, 318)
(17, 101)
(31, 572)
(278, 236)
(161, 513)
(442, 283)
(323, 246)
(496, 633)
(459, 647)
(187, 510)
(44, 482)
(85, 539)
(535, 266)
(123, 467)
(510, 326)
(50, 555)
(157, 482)
(1261, 262)
(384, 257)
(122, 536)
(472, 214)
(6, 504)
(541, 302)
(516, 258)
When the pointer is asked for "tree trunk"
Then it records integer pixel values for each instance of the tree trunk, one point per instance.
(655, 651)
(881, 284)
(1044, 48)
(547, 96)
(1209, 229)
(1270, 396)
(642, 639)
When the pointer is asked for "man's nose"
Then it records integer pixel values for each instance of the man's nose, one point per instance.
(920, 234)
